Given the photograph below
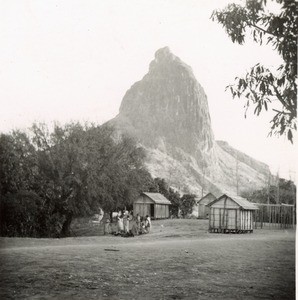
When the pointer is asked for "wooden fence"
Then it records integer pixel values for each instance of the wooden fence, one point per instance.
(274, 216)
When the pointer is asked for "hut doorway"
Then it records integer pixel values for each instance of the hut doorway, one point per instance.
(152, 210)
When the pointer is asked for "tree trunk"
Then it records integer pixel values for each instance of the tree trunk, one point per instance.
(65, 231)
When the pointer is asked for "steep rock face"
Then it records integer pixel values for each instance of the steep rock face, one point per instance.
(169, 106)
(167, 112)
(244, 158)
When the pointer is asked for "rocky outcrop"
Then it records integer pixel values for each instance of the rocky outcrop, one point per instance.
(244, 158)
(167, 112)
(169, 107)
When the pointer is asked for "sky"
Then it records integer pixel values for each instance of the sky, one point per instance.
(74, 60)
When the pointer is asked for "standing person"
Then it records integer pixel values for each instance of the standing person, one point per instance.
(126, 223)
(138, 222)
(148, 223)
(129, 218)
(143, 227)
(107, 227)
(134, 230)
(120, 224)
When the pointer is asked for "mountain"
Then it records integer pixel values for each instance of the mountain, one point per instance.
(167, 112)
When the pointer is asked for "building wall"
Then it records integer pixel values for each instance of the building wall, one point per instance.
(142, 206)
(142, 209)
(225, 202)
(230, 218)
(203, 211)
(162, 211)
(246, 220)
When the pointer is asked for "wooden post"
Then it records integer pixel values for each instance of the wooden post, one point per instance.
(280, 217)
(269, 219)
(245, 219)
(224, 212)
(261, 217)
(236, 219)
(275, 216)
(293, 216)
(210, 218)
(213, 217)
(257, 212)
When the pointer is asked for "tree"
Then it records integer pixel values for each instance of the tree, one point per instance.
(160, 185)
(187, 203)
(18, 164)
(71, 171)
(87, 168)
(175, 199)
(22, 211)
(286, 190)
(62, 174)
(184, 204)
(27, 208)
(261, 86)
(115, 169)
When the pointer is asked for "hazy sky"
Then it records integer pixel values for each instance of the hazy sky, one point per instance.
(74, 60)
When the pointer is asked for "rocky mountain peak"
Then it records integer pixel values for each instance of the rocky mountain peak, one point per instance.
(163, 53)
(167, 112)
(164, 56)
(169, 104)
(167, 64)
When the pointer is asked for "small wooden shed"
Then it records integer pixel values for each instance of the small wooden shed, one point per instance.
(154, 205)
(231, 214)
(203, 211)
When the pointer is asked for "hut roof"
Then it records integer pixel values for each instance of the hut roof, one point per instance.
(198, 201)
(158, 198)
(242, 202)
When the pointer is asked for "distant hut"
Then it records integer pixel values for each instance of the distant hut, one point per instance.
(231, 214)
(154, 205)
(200, 210)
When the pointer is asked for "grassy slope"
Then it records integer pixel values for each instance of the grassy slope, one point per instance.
(178, 260)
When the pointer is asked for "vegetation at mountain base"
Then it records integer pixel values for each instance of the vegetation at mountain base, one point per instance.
(183, 204)
(284, 191)
(187, 203)
(48, 178)
(261, 86)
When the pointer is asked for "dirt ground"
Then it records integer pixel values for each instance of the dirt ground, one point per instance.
(179, 259)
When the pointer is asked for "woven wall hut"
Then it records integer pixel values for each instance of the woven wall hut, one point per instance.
(231, 214)
(154, 205)
(201, 210)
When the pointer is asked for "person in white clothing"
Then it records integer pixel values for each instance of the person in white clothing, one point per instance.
(148, 224)
(120, 224)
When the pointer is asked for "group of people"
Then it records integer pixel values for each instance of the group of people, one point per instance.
(142, 225)
(128, 225)
(123, 220)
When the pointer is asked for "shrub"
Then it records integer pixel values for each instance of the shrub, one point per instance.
(25, 214)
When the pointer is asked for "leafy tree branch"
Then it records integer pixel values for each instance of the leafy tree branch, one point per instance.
(261, 86)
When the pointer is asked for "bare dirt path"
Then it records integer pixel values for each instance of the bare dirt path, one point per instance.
(169, 263)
